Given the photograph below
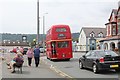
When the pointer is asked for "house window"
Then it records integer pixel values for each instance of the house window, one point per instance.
(114, 29)
(107, 29)
(119, 28)
(100, 34)
(92, 34)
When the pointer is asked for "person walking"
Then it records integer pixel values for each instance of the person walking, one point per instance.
(21, 50)
(30, 56)
(37, 55)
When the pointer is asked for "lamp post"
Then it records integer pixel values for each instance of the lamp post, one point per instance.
(37, 21)
(44, 30)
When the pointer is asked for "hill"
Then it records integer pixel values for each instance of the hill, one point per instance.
(30, 37)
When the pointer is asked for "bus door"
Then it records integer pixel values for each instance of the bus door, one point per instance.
(53, 44)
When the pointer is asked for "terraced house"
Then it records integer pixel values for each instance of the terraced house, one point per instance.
(112, 40)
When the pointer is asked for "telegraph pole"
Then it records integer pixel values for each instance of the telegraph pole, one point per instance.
(37, 21)
(43, 30)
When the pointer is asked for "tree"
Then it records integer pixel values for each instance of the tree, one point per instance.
(33, 43)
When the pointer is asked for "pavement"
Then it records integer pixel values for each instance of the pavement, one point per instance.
(42, 71)
(45, 70)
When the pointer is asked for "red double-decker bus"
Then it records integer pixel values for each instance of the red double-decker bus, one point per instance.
(59, 43)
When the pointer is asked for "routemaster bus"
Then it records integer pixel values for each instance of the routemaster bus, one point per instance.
(59, 43)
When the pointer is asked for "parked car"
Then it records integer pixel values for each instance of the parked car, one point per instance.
(42, 50)
(25, 50)
(98, 60)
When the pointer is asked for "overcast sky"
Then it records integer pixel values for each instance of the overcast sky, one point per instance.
(20, 16)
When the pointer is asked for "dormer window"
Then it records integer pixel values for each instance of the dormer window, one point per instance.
(100, 34)
(92, 34)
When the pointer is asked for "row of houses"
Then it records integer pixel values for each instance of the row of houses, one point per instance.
(108, 38)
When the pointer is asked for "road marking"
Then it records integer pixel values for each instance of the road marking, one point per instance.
(52, 67)
(59, 72)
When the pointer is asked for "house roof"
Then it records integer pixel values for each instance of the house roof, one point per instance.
(96, 31)
(118, 14)
(113, 11)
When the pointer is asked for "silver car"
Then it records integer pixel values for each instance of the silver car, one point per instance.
(42, 50)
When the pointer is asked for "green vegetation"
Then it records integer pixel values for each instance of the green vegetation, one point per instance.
(30, 37)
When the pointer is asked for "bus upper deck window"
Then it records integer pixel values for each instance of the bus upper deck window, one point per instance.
(61, 30)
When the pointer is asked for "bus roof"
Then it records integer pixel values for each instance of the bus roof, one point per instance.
(57, 32)
(61, 25)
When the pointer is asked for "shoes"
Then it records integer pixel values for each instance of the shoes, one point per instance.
(8, 64)
(29, 65)
(9, 67)
(13, 71)
(36, 65)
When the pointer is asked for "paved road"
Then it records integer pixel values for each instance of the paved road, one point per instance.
(71, 68)
(42, 71)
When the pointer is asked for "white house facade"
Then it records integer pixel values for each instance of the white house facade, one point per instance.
(89, 38)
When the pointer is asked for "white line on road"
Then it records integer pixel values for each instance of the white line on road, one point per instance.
(52, 67)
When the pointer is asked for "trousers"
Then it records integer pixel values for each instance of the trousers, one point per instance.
(37, 59)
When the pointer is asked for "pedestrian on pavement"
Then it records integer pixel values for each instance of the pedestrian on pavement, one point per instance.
(30, 56)
(21, 50)
(17, 49)
(14, 50)
(37, 55)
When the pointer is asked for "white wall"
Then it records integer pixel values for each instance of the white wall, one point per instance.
(82, 41)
